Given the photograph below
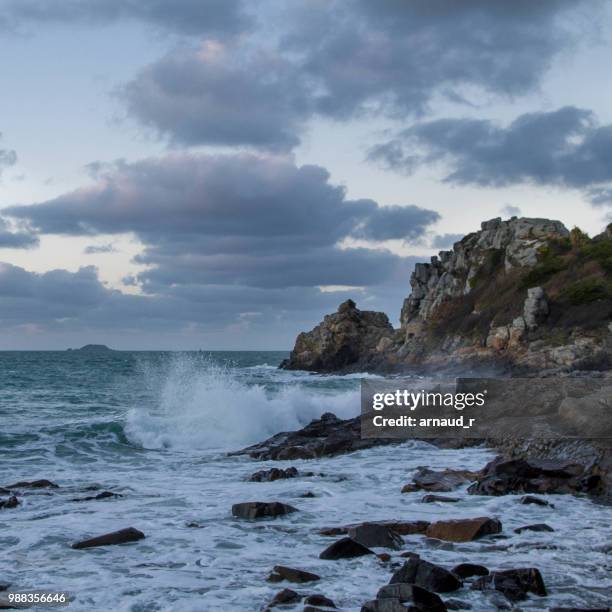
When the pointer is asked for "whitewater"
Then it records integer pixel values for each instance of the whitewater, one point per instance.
(156, 429)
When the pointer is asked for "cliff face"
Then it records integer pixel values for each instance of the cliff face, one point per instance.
(523, 293)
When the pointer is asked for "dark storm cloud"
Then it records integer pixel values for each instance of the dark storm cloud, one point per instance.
(209, 17)
(11, 239)
(209, 94)
(256, 221)
(341, 59)
(566, 148)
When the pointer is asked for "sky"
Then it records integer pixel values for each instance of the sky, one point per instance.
(219, 174)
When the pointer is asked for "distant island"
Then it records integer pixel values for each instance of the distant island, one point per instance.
(94, 348)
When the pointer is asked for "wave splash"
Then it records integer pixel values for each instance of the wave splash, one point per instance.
(205, 406)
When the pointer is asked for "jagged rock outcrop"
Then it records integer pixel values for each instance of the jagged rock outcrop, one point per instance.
(345, 339)
(521, 295)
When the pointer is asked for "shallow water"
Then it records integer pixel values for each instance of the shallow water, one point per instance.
(155, 427)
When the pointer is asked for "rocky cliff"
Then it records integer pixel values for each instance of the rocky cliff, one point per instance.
(522, 294)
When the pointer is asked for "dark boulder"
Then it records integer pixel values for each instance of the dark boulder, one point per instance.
(284, 597)
(384, 605)
(431, 499)
(401, 527)
(464, 530)
(508, 476)
(254, 510)
(440, 481)
(108, 539)
(376, 535)
(281, 572)
(467, 570)
(103, 495)
(319, 600)
(536, 501)
(324, 437)
(34, 484)
(515, 584)
(7, 504)
(426, 575)
(418, 597)
(273, 474)
(535, 527)
(345, 548)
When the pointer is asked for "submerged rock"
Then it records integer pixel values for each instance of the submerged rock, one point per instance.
(420, 599)
(253, 510)
(286, 596)
(34, 484)
(515, 584)
(438, 481)
(7, 504)
(108, 539)
(322, 437)
(535, 527)
(345, 548)
(401, 527)
(464, 530)
(426, 575)
(537, 501)
(319, 600)
(273, 474)
(430, 499)
(281, 572)
(103, 495)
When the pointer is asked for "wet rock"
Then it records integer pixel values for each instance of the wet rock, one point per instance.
(286, 596)
(4, 586)
(345, 548)
(464, 530)
(342, 340)
(319, 600)
(34, 484)
(376, 535)
(108, 539)
(418, 597)
(254, 510)
(430, 499)
(535, 527)
(308, 494)
(281, 572)
(467, 570)
(438, 481)
(514, 584)
(273, 474)
(426, 575)
(579, 610)
(324, 437)
(384, 557)
(401, 527)
(505, 476)
(536, 501)
(103, 495)
(4, 491)
(7, 504)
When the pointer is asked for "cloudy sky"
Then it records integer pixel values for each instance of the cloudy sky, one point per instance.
(219, 174)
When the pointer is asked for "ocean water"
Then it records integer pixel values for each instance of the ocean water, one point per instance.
(156, 428)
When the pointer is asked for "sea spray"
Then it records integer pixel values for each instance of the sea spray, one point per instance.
(203, 405)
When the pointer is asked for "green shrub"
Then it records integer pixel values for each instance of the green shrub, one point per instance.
(585, 291)
(543, 271)
(578, 238)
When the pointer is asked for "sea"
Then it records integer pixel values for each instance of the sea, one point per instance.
(156, 428)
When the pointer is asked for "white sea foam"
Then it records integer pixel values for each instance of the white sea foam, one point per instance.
(206, 406)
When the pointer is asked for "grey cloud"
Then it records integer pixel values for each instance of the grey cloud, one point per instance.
(244, 220)
(209, 17)
(8, 158)
(445, 241)
(566, 148)
(344, 58)
(215, 95)
(21, 239)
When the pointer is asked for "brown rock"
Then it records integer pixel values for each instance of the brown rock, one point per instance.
(373, 535)
(116, 537)
(281, 572)
(464, 530)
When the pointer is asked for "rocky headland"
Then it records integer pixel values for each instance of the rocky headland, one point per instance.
(521, 296)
